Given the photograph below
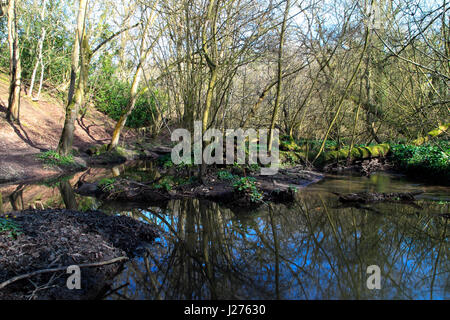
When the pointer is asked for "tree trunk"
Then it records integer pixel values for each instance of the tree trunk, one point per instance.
(73, 105)
(279, 87)
(15, 68)
(39, 61)
(135, 85)
(130, 106)
(81, 18)
(344, 95)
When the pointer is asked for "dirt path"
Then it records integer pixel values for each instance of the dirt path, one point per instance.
(39, 130)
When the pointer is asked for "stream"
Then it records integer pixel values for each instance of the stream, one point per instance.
(313, 248)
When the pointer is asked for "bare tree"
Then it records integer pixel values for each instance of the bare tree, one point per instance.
(15, 68)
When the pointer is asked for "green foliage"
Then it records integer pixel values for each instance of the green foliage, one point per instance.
(248, 186)
(107, 184)
(254, 167)
(225, 175)
(112, 96)
(288, 143)
(165, 183)
(314, 145)
(53, 158)
(430, 160)
(166, 161)
(13, 229)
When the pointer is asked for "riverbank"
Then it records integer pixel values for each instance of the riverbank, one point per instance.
(245, 188)
(34, 240)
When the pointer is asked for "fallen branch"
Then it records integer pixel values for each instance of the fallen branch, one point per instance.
(86, 265)
(365, 197)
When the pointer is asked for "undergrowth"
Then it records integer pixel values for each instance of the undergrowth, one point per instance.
(53, 158)
(10, 227)
(429, 160)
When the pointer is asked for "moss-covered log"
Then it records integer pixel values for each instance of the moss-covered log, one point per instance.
(359, 153)
(430, 135)
(379, 150)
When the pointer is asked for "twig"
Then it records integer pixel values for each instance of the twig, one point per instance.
(86, 265)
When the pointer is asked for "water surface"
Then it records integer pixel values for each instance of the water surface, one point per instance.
(314, 248)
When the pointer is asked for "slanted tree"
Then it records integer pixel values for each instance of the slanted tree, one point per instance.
(134, 93)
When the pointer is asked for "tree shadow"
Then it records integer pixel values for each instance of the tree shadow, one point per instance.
(86, 128)
(24, 135)
(19, 130)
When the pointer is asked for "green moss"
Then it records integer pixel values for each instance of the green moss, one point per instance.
(288, 144)
(380, 150)
(292, 156)
(432, 134)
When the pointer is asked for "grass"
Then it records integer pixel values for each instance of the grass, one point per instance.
(53, 158)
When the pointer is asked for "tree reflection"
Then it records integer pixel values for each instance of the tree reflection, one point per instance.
(16, 198)
(68, 195)
(309, 250)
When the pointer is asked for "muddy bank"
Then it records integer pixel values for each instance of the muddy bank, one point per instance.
(59, 238)
(246, 191)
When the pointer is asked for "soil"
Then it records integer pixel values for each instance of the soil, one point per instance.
(39, 130)
(59, 238)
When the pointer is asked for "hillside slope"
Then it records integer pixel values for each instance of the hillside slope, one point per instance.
(39, 130)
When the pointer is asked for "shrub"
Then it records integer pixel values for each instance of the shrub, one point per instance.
(112, 97)
(247, 186)
(430, 160)
(165, 183)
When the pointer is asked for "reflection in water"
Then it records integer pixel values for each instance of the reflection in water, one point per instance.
(58, 193)
(68, 195)
(312, 249)
(16, 198)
